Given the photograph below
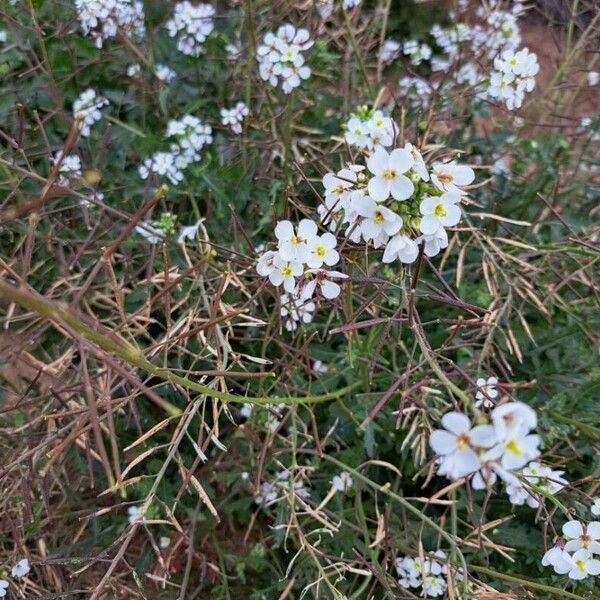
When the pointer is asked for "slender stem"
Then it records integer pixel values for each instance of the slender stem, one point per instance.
(133, 356)
(359, 58)
(532, 584)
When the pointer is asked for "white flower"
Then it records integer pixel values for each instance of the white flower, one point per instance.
(233, 117)
(3, 38)
(246, 410)
(133, 512)
(3, 587)
(400, 247)
(381, 130)
(580, 537)
(487, 392)
(191, 23)
(188, 232)
(165, 73)
(513, 416)
(433, 586)
(265, 264)
(133, 70)
(293, 245)
(388, 172)
(559, 559)
(544, 477)
(439, 211)
(377, 220)
(296, 310)
(434, 242)
(326, 282)
(342, 482)
(357, 133)
(320, 367)
(86, 110)
(338, 187)
(321, 250)
(595, 508)
(70, 167)
(583, 564)
(516, 449)
(284, 272)
(593, 78)
(21, 569)
(449, 176)
(456, 444)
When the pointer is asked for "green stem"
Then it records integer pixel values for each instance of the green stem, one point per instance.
(532, 584)
(133, 356)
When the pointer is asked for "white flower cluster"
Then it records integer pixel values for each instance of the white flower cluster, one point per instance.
(192, 23)
(274, 414)
(299, 265)
(191, 135)
(427, 573)
(514, 75)
(420, 204)
(103, 19)
(417, 52)
(280, 58)
(505, 448)
(70, 167)
(234, 117)
(493, 41)
(370, 130)
(86, 110)
(271, 492)
(584, 543)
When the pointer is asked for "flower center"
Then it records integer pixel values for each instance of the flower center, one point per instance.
(463, 440)
(390, 174)
(440, 210)
(320, 251)
(357, 131)
(296, 240)
(514, 448)
(286, 271)
(445, 178)
(580, 564)
(339, 190)
(378, 218)
(585, 540)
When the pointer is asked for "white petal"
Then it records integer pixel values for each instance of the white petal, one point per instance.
(307, 229)
(593, 530)
(401, 160)
(456, 422)
(330, 289)
(442, 442)
(402, 187)
(378, 162)
(379, 188)
(483, 436)
(572, 529)
(284, 230)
